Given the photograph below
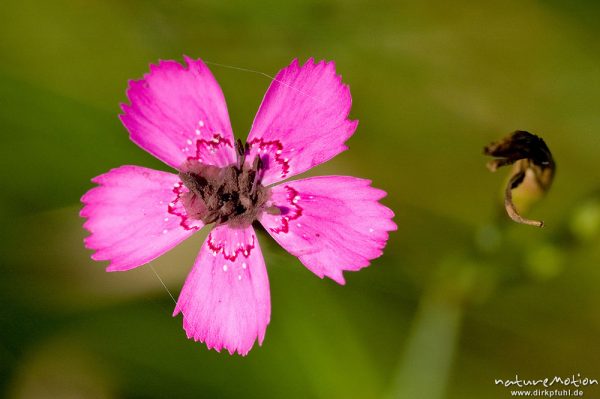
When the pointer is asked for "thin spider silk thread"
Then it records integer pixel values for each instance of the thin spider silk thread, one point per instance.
(243, 70)
(267, 76)
(163, 283)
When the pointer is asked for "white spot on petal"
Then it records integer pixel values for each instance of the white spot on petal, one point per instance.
(239, 276)
(189, 141)
(244, 265)
(201, 123)
(224, 268)
(165, 231)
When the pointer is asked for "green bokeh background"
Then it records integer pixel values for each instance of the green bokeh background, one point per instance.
(459, 298)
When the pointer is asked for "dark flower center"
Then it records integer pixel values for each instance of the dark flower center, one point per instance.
(232, 194)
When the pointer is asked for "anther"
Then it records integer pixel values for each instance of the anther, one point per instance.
(256, 166)
(194, 182)
(241, 152)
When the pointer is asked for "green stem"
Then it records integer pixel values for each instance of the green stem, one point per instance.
(425, 365)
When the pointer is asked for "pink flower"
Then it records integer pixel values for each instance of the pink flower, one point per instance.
(178, 114)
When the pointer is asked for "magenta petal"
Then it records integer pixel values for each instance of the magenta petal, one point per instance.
(128, 216)
(225, 300)
(331, 223)
(302, 120)
(179, 112)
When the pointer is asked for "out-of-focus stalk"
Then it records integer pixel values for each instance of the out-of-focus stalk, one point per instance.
(425, 366)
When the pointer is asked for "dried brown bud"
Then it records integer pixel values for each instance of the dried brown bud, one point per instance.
(532, 163)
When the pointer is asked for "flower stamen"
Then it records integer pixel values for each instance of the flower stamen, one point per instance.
(232, 194)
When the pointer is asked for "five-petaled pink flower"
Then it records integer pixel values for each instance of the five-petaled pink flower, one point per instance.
(178, 114)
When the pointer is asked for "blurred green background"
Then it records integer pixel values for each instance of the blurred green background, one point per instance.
(460, 297)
